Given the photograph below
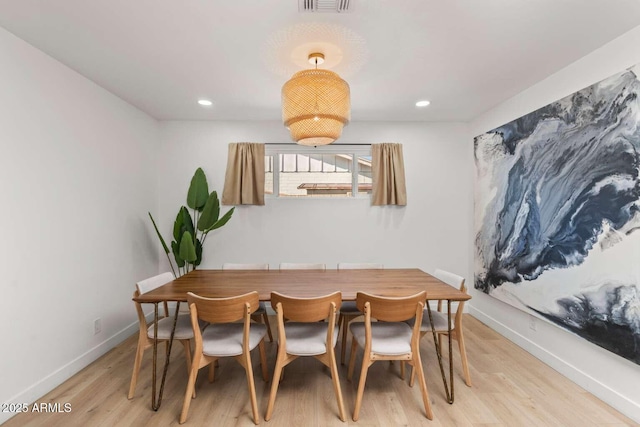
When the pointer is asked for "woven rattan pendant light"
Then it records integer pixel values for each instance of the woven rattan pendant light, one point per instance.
(315, 105)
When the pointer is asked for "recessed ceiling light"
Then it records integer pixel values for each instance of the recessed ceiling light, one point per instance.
(205, 102)
(422, 103)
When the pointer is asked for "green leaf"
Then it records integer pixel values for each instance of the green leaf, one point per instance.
(164, 245)
(182, 224)
(222, 221)
(177, 227)
(198, 252)
(198, 191)
(179, 261)
(187, 248)
(210, 213)
(187, 222)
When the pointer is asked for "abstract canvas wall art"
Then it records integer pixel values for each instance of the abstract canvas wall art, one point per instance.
(557, 213)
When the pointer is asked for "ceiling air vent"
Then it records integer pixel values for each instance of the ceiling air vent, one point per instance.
(325, 6)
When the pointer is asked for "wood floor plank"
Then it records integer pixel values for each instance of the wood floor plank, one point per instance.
(510, 387)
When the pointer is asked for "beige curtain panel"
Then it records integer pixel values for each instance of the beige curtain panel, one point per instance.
(388, 175)
(244, 179)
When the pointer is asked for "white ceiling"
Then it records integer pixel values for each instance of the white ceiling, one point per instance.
(465, 56)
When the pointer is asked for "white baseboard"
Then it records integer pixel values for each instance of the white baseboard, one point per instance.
(620, 402)
(53, 380)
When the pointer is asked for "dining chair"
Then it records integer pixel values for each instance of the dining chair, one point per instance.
(305, 334)
(183, 333)
(348, 309)
(440, 320)
(224, 336)
(390, 338)
(302, 266)
(261, 312)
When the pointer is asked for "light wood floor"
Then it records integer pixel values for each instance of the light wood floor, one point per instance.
(510, 388)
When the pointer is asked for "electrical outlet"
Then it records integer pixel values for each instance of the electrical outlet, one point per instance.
(532, 323)
(97, 326)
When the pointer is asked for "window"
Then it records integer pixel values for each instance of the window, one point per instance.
(326, 171)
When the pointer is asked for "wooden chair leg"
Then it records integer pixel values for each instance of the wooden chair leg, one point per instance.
(252, 387)
(263, 361)
(191, 384)
(187, 355)
(336, 383)
(402, 370)
(412, 378)
(212, 371)
(413, 370)
(417, 366)
(345, 325)
(277, 373)
(363, 379)
(440, 336)
(136, 370)
(265, 318)
(463, 356)
(352, 359)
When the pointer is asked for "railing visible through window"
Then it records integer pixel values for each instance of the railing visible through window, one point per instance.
(327, 171)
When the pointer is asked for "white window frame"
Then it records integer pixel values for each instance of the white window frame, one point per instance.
(355, 150)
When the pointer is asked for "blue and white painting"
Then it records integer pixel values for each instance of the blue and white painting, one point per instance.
(557, 213)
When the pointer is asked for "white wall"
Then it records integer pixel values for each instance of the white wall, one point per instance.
(431, 232)
(77, 176)
(610, 377)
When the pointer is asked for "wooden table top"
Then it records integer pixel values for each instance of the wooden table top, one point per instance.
(304, 284)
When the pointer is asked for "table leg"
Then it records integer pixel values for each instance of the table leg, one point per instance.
(448, 393)
(155, 402)
(450, 347)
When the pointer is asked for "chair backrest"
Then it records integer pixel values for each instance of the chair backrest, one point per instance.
(359, 266)
(154, 282)
(223, 310)
(302, 266)
(451, 279)
(391, 309)
(307, 309)
(458, 283)
(147, 285)
(236, 266)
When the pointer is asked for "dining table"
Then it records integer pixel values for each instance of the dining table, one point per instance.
(302, 284)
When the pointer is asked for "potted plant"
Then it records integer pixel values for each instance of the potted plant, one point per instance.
(190, 233)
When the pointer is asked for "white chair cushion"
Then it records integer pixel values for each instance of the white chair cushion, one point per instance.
(439, 321)
(184, 331)
(387, 338)
(225, 339)
(349, 307)
(307, 339)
